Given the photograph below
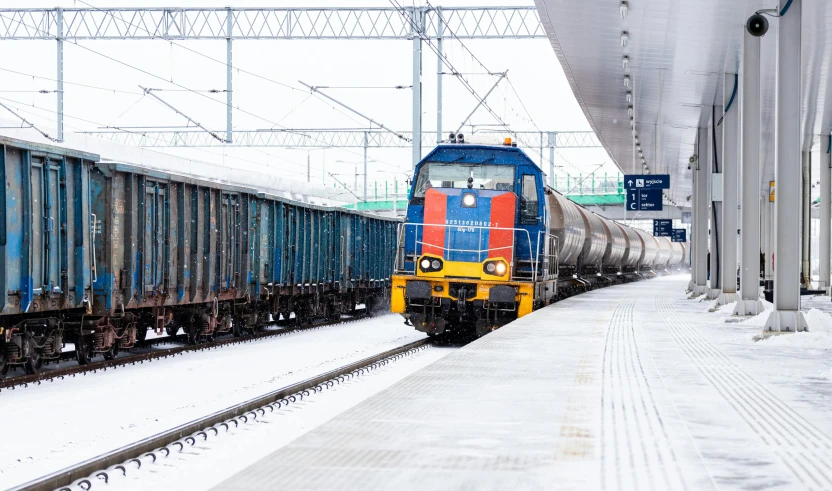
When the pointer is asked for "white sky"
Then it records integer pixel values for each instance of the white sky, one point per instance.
(533, 68)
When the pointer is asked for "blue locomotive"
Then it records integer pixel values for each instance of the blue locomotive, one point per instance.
(96, 253)
(486, 241)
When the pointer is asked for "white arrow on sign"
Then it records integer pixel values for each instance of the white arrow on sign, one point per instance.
(630, 183)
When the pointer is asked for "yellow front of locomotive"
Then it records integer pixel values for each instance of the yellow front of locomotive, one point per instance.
(456, 264)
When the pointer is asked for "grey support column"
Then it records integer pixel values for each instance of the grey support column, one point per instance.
(229, 93)
(692, 251)
(767, 237)
(806, 222)
(730, 163)
(60, 73)
(825, 239)
(416, 31)
(701, 200)
(715, 198)
(787, 174)
(440, 31)
(749, 302)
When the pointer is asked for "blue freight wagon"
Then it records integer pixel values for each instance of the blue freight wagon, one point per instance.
(99, 252)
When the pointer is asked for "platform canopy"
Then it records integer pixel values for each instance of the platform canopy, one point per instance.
(692, 43)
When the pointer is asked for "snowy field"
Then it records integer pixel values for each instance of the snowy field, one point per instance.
(624, 388)
(64, 422)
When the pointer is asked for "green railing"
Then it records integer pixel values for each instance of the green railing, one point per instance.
(588, 190)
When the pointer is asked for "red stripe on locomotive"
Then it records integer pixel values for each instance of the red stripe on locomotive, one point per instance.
(436, 209)
(502, 216)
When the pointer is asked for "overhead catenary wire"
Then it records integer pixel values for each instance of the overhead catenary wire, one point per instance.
(31, 125)
(173, 83)
(106, 89)
(445, 61)
(447, 28)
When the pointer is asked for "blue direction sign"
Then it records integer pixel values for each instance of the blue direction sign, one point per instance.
(647, 181)
(663, 228)
(679, 235)
(644, 200)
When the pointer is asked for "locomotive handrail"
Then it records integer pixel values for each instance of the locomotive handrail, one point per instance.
(401, 259)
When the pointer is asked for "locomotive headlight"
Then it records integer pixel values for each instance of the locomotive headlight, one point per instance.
(469, 200)
(430, 264)
(496, 268)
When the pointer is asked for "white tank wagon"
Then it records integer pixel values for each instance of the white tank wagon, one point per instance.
(567, 224)
(634, 249)
(650, 250)
(616, 249)
(663, 256)
(595, 243)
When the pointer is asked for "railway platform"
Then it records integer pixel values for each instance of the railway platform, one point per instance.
(628, 387)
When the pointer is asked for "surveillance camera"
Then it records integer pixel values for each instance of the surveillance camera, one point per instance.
(757, 25)
(692, 160)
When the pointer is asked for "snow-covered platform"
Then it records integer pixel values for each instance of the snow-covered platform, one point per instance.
(628, 387)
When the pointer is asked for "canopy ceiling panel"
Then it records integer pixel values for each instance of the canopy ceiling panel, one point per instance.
(686, 47)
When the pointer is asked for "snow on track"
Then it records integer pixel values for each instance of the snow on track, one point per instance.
(210, 462)
(56, 425)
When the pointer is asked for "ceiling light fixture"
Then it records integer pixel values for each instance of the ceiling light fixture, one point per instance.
(630, 110)
(625, 38)
(627, 81)
(629, 96)
(625, 62)
(624, 9)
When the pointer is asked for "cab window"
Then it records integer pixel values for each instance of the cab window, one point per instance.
(444, 175)
(529, 201)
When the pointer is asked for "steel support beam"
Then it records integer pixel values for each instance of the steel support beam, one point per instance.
(715, 213)
(825, 229)
(701, 202)
(316, 138)
(59, 17)
(365, 166)
(190, 23)
(787, 174)
(730, 164)
(806, 221)
(552, 145)
(749, 302)
(418, 17)
(228, 75)
(440, 31)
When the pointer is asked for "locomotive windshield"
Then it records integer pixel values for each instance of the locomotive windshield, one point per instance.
(444, 175)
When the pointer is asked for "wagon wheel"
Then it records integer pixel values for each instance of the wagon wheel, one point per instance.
(33, 363)
(83, 350)
(4, 367)
(112, 353)
(237, 327)
(193, 332)
(141, 332)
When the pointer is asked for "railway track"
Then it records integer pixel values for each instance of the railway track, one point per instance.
(121, 460)
(47, 375)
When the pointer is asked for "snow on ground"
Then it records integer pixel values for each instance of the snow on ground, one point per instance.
(219, 458)
(60, 423)
(627, 387)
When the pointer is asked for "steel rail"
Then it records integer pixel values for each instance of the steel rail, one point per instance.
(98, 467)
(72, 371)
